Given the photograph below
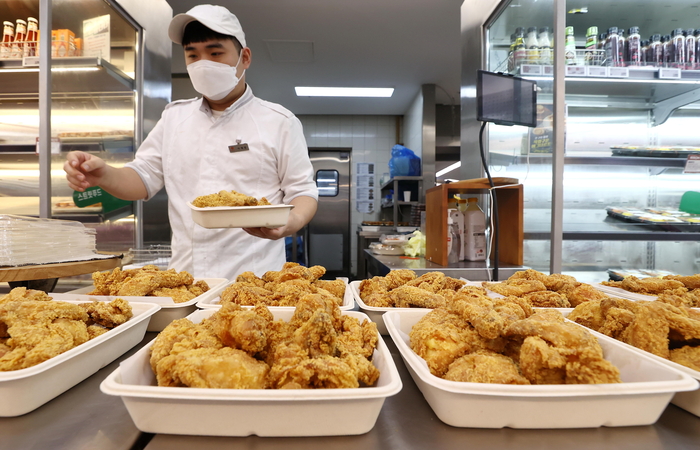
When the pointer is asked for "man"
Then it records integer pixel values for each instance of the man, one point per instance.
(227, 140)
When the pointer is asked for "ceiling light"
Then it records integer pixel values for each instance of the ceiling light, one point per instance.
(306, 91)
(449, 169)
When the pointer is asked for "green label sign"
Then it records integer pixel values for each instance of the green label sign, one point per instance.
(96, 195)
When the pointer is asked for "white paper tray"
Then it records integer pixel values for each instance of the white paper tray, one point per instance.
(688, 400)
(647, 388)
(169, 310)
(270, 216)
(213, 301)
(25, 390)
(619, 292)
(245, 412)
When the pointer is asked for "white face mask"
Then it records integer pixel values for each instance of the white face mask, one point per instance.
(212, 79)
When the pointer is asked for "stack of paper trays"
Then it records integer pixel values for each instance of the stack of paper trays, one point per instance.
(28, 240)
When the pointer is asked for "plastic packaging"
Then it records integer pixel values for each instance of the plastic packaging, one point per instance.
(545, 46)
(656, 51)
(532, 45)
(474, 232)
(8, 36)
(454, 241)
(415, 245)
(404, 162)
(519, 51)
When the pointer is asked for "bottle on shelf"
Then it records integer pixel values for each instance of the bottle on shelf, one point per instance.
(623, 47)
(474, 232)
(591, 49)
(453, 241)
(458, 223)
(519, 51)
(18, 43)
(697, 48)
(532, 46)
(545, 46)
(656, 51)
(8, 36)
(668, 51)
(690, 44)
(612, 48)
(634, 46)
(678, 48)
(511, 50)
(570, 47)
(645, 53)
(601, 41)
(32, 37)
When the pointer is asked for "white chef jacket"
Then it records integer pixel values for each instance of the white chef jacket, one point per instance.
(188, 153)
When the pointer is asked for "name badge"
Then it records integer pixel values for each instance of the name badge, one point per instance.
(238, 148)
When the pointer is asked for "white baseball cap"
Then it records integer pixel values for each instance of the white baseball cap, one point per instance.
(216, 18)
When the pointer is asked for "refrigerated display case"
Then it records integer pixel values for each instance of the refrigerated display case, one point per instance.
(96, 79)
(610, 135)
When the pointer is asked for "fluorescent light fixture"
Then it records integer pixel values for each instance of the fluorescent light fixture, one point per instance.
(307, 91)
(53, 69)
(449, 169)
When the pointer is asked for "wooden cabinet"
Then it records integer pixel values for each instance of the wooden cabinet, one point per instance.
(509, 198)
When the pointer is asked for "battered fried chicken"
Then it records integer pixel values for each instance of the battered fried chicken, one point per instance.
(430, 281)
(686, 356)
(690, 282)
(396, 278)
(547, 299)
(181, 335)
(484, 366)
(517, 287)
(651, 286)
(409, 296)
(228, 198)
(223, 368)
(148, 281)
(581, 293)
(108, 314)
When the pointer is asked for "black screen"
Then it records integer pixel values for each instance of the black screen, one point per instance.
(506, 100)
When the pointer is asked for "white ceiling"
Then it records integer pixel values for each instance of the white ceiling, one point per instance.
(364, 43)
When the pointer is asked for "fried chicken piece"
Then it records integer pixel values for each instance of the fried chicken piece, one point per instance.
(357, 337)
(650, 286)
(582, 293)
(95, 330)
(107, 283)
(547, 299)
(363, 369)
(289, 292)
(473, 291)
(687, 356)
(242, 294)
(239, 328)
(181, 335)
(335, 287)
(324, 372)
(179, 294)
(379, 300)
(108, 314)
(310, 303)
(228, 198)
(517, 287)
(374, 285)
(396, 278)
(679, 297)
(648, 329)
(430, 281)
(440, 337)
(553, 282)
(409, 296)
(139, 286)
(484, 366)
(588, 314)
(223, 368)
(293, 271)
(581, 357)
(690, 282)
(482, 315)
(317, 334)
(250, 278)
(22, 293)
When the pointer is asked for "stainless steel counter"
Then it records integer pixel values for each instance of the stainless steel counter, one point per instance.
(86, 419)
(380, 265)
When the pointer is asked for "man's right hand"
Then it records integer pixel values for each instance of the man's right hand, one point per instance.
(83, 170)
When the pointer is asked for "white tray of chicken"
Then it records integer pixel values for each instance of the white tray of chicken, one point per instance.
(214, 301)
(245, 412)
(169, 310)
(646, 389)
(25, 390)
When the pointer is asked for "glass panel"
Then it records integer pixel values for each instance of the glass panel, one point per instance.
(520, 42)
(94, 110)
(327, 182)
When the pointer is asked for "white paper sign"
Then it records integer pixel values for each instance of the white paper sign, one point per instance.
(96, 37)
(364, 183)
(692, 164)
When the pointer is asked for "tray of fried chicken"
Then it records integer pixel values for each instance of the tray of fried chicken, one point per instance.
(48, 346)
(402, 289)
(677, 290)
(666, 332)
(311, 371)
(231, 209)
(281, 289)
(177, 293)
(485, 362)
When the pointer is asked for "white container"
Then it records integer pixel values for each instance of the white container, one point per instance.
(475, 232)
(456, 228)
(169, 310)
(647, 388)
(688, 400)
(245, 412)
(25, 390)
(213, 301)
(269, 216)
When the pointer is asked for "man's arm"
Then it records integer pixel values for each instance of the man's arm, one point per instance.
(84, 170)
(302, 213)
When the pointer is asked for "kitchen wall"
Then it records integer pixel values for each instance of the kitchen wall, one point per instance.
(370, 139)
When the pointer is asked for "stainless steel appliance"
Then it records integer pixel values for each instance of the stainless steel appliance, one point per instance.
(327, 236)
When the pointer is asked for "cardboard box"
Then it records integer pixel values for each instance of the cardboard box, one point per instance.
(62, 41)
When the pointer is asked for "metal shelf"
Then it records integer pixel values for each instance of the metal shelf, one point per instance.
(507, 160)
